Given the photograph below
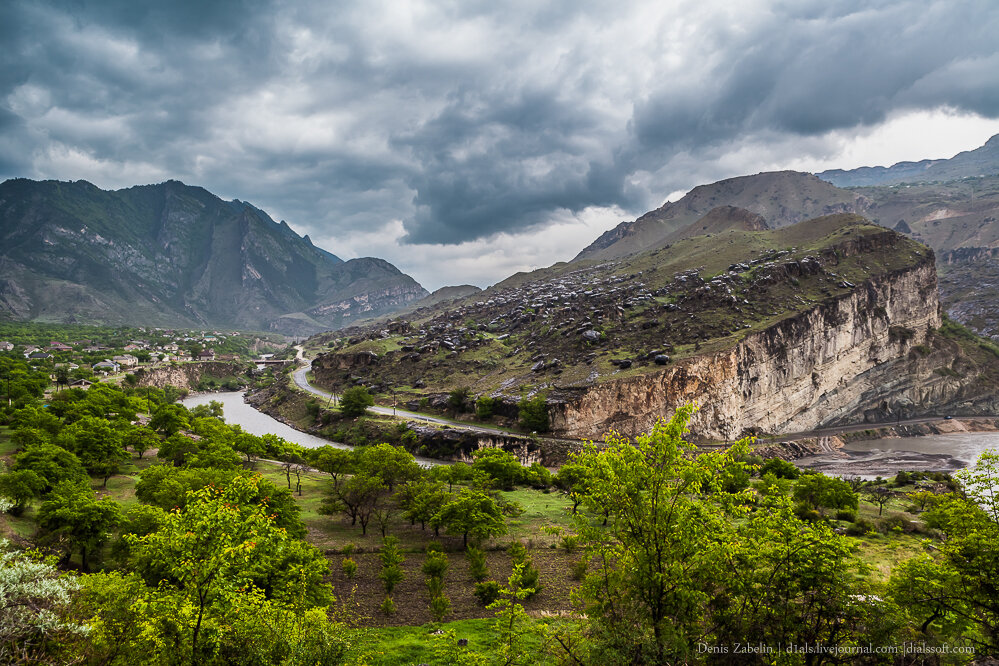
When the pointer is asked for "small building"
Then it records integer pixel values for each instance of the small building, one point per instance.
(58, 346)
(126, 360)
(105, 366)
(207, 355)
(80, 383)
(6, 346)
(39, 356)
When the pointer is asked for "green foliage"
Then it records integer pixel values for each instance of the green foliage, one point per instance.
(501, 466)
(477, 567)
(33, 596)
(355, 401)
(511, 623)
(781, 469)
(436, 564)
(440, 606)
(529, 575)
(485, 407)
(20, 487)
(53, 463)
(388, 605)
(391, 573)
(349, 567)
(472, 514)
(73, 520)
(819, 491)
(487, 592)
(457, 400)
(533, 413)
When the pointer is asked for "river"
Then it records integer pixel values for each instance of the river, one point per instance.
(886, 457)
(255, 422)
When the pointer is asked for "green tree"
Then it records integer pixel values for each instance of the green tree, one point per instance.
(819, 491)
(20, 487)
(355, 401)
(533, 413)
(457, 400)
(169, 419)
(141, 439)
(72, 518)
(214, 552)
(97, 444)
(472, 514)
(485, 407)
(955, 596)
(657, 564)
(53, 463)
(501, 466)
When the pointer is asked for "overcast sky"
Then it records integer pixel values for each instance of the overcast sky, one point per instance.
(466, 140)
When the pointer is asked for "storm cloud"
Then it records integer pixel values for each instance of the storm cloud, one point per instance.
(456, 123)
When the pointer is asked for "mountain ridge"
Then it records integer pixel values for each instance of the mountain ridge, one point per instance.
(174, 254)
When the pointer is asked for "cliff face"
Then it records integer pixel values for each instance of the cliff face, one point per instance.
(827, 365)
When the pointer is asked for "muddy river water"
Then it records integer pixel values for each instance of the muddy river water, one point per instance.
(886, 457)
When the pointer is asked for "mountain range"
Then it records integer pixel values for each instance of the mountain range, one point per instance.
(172, 254)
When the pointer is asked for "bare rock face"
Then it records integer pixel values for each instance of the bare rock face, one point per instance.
(825, 366)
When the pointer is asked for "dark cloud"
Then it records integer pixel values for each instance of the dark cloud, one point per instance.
(466, 119)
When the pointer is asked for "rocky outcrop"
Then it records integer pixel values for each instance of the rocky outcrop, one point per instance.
(825, 366)
(188, 375)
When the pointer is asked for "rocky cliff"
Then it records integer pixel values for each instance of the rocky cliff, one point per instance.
(827, 365)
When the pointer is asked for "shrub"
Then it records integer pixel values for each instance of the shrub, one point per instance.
(485, 407)
(487, 592)
(439, 607)
(355, 401)
(477, 564)
(349, 567)
(435, 566)
(388, 606)
(860, 528)
(579, 568)
(533, 413)
(529, 577)
(435, 586)
(782, 469)
(848, 516)
(570, 542)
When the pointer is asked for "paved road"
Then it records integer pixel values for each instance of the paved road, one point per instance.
(303, 382)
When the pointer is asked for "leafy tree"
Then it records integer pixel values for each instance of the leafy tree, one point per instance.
(169, 419)
(880, 495)
(177, 449)
(473, 513)
(358, 496)
(141, 439)
(459, 472)
(781, 469)
(422, 500)
(392, 559)
(251, 446)
(511, 618)
(20, 487)
(53, 463)
(355, 401)
(955, 596)
(214, 552)
(533, 413)
(391, 464)
(501, 466)
(572, 480)
(97, 444)
(457, 399)
(73, 518)
(820, 491)
(485, 407)
(658, 562)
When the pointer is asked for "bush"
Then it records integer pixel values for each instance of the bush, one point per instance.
(388, 606)
(477, 564)
(579, 568)
(435, 566)
(848, 516)
(860, 528)
(485, 407)
(457, 400)
(487, 592)
(529, 577)
(349, 567)
(435, 586)
(533, 413)
(355, 401)
(439, 607)
(570, 542)
(391, 576)
(782, 469)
